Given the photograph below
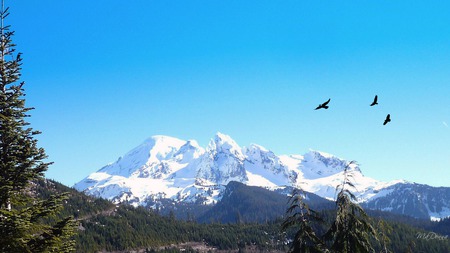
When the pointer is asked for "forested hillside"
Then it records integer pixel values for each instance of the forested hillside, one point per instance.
(106, 227)
(243, 204)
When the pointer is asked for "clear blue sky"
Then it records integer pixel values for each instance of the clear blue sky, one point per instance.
(105, 75)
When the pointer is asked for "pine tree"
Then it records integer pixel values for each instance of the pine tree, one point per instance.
(300, 216)
(351, 231)
(24, 220)
(384, 230)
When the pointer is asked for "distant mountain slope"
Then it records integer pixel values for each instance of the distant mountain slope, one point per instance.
(163, 168)
(243, 204)
(416, 200)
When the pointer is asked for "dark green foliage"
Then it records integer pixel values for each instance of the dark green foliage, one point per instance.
(351, 230)
(131, 228)
(181, 210)
(78, 205)
(383, 230)
(300, 216)
(441, 227)
(401, 231)
(242, 204)
(24, 221)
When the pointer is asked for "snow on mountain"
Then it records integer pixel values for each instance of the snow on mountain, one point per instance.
(164, 167)
(417, 200)
(222, 162)
(316, 164)
(154, 158)
(264, 168)
(322, 173)
(146, 172)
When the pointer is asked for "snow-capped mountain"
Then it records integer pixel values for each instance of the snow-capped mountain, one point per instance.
(416, 200)
(164, 167)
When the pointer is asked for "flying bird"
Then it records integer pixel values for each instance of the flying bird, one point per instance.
(375, 101)
(387, 120)
(324, 105)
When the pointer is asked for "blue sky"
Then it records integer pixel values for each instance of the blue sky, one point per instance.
(105, 75)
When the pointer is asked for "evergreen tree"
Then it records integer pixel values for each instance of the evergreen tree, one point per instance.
(299, 215)
(24, 221)
(351, 231)
(384, 230)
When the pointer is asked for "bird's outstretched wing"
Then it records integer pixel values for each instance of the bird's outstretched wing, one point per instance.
(375, 101)
(387, 120)
(324, 105)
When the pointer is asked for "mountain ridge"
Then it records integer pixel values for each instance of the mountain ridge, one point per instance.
(164, 167)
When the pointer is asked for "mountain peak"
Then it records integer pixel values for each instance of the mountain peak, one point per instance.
(189, 151)
(321, 153)
(164, 140)
(317, 164)
(257, 147)
(222, 143)
(223, 138)
(223, 161)
(149, 153)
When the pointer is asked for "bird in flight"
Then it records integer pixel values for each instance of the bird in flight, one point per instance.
(324, 105)
(387, 120)
(375, 101)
